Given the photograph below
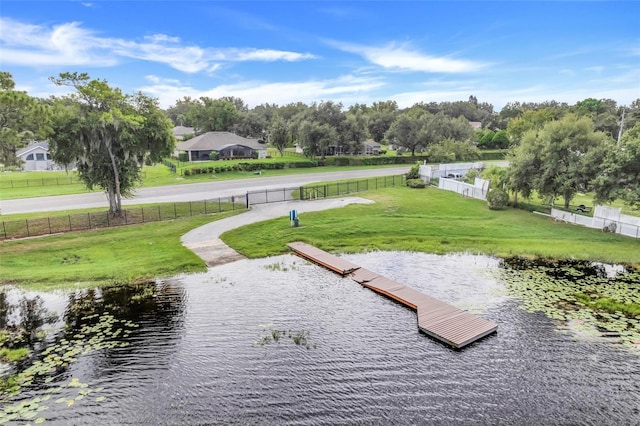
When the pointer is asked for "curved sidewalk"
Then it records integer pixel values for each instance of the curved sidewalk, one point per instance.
(205, 240)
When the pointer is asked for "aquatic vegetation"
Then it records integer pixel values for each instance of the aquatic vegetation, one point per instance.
(100, 332)
(13, 355)
(276, 267)
(271, 335)
(281, 266)
(579, 294)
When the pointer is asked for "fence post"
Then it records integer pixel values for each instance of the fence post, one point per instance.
(159, 214)
(247, 198)
(175, 211)
(126, 221)
(142, 209)
(4, 229)
(108, 223)
(49, 222)
(190, 210)
(27, 223)
(89, 217)
(301, 194)
(205, 205)
(70, 229)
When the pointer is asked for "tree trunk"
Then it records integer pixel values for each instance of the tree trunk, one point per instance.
(111, 198)
(115, 199)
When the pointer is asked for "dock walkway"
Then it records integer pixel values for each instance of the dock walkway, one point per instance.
(442, 321)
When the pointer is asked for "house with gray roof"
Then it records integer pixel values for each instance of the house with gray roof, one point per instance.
(182, 132)
(371, 147)
(222, 145)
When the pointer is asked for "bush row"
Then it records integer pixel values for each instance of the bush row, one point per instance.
(248, 167)
(372, 161)
(497, 154)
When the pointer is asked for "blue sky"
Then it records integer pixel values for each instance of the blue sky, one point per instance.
(349, 52)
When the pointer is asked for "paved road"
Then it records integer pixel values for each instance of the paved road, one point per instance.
(188, 192)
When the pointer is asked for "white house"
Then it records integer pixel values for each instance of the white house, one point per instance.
(36, 156)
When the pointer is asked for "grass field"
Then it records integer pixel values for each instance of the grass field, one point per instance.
(430, 220)
(112, 255)
(426, 220)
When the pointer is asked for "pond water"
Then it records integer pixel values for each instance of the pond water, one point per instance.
(281, 341)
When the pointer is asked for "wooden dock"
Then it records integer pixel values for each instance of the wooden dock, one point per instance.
(442, 321)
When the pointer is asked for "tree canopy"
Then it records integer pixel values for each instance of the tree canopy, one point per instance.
(109, 135)
(560, 159)
(22, 119)
(619, 172)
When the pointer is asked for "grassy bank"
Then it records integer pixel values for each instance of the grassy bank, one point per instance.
(427, 220)
(434, 221)
(123, 254)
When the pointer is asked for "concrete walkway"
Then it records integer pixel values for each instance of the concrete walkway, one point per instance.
(205, 240)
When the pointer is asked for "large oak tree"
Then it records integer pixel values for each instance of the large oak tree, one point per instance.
(109, 135)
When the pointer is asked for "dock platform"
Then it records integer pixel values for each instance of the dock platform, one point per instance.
(440, 320)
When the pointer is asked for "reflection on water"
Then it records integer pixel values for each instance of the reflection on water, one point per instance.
(198, 353)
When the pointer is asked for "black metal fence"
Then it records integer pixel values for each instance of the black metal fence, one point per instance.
(32, 183)
(169, 211)
(312, 192)
(85, 221)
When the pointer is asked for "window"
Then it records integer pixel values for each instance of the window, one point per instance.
(48, 156)
(30, 157)
(40, 156)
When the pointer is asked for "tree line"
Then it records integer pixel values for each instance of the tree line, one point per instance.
(556, 149)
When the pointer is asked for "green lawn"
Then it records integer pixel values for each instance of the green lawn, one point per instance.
(434, 221)
(425, 220)
(121, 254)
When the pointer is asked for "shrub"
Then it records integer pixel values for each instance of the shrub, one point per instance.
(497, 199)
(415, 183)
(414, 172)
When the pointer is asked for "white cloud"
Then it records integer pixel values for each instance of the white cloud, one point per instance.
(267, 55)
(66, 44)
(70, 44)
(396, 56)
(596, 69)
(159, 38)
(346, 89)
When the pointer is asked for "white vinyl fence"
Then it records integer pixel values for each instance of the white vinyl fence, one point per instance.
(453, 170)
(606, 218)
(478, 190)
